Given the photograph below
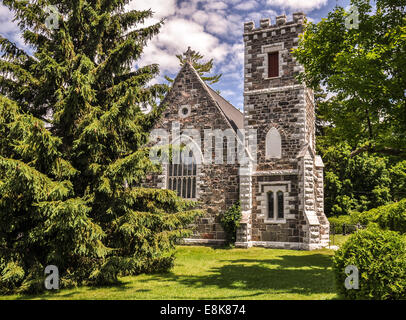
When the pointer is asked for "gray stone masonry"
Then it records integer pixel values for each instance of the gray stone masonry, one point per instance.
(280, 103)
(287, 105)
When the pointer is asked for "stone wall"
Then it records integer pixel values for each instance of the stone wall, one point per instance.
(282, 37)
(287, 105)
(281, 103)
(218, 184)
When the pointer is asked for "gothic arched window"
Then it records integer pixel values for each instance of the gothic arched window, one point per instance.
(182, 178)
(280, 205)
(275, 207)
(270, 205)
(273, 144)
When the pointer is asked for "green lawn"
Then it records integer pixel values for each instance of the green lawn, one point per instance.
(210, 273)
(338, 239)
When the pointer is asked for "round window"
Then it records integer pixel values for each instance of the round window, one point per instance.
(184, 111)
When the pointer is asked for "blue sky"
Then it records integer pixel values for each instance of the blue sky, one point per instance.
(212, 27)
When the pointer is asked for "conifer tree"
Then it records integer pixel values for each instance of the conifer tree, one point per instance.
(202, 68)
(72, 149)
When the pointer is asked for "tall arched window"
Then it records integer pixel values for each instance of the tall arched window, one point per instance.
(280, 205)
(273, 144)
(182, 178)
(271, 209)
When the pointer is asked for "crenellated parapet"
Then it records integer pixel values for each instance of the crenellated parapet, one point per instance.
(277, 37)
(280, 22)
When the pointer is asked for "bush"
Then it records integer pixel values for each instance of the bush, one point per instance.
(380, 257)
(390, 217)
(398, 177)
(341, 223)
(231, 221)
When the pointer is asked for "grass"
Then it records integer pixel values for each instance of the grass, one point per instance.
(338, 239)
(221, 273)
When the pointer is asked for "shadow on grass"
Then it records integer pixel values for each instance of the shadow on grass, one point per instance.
(246, 278)
(302, 275)
(118, 286)
(289, 261)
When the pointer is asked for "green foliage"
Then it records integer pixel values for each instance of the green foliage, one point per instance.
(391, 216)
(364, 68)
(380, 257)
(202, 68)
(341, 224)
(231, 221)
(70, 185)
(398, 176)
(360, 127)
(354, 183)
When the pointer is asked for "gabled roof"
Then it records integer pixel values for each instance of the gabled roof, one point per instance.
(233, 115)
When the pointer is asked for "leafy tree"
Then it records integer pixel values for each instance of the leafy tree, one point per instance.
(365, 68)
(354, 183)
(320, 101)
(72, 149)
(202, 68)
(398, 176)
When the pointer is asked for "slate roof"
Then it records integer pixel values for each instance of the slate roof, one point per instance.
(233, 115)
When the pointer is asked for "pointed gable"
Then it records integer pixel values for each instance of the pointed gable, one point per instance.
(188, 80)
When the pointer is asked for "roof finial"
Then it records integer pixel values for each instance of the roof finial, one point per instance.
(189, 54)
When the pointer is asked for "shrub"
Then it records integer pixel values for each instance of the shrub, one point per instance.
(231, 221)
(380, 257)
(363, 218)
(391, 216)
(398, 177)
(341, 223)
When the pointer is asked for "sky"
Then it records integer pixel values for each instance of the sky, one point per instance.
(212, 27)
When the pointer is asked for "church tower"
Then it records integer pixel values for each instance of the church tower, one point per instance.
(281, 194)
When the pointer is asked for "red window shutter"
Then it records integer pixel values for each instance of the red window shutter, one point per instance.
(273, 64)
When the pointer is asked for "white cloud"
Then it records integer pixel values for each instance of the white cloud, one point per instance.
(200, 17)
(227, 93)
(247, 5)
(175, 37)
(9, 28)
(218, 5)
(161, 9)
(212, 27)
(296, 5)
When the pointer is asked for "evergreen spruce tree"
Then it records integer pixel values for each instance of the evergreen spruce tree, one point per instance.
(72, 149)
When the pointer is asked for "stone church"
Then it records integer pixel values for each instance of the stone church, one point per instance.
(279, 184)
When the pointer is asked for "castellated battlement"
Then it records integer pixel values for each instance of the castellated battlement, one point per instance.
(280, 22)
